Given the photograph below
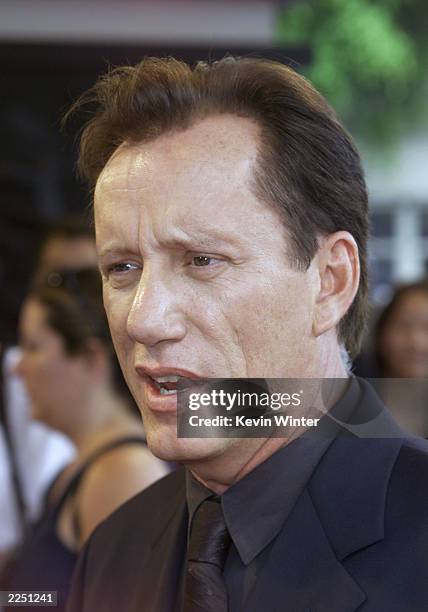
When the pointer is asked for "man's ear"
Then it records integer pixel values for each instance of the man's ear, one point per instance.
(338, 268)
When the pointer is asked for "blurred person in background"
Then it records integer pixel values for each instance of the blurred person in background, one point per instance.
(67, 244)
(401, 334)
(30, 452)
(401, 352)
(75, 385)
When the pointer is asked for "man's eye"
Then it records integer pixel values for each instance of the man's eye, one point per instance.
(122, 267)
(203, 260)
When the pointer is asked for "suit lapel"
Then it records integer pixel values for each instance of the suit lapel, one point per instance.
(350, 485)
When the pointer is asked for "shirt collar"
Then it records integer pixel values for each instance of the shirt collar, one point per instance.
(269, 492)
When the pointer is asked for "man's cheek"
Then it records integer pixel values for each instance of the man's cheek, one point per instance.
(117, 314)
(121, 340)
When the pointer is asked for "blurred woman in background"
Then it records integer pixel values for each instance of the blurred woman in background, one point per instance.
(401, 352)
(75, 385)
(401, 334)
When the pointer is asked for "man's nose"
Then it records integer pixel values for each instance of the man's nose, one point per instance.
(156, 314)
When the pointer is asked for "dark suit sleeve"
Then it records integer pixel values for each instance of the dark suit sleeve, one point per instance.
(76, 598)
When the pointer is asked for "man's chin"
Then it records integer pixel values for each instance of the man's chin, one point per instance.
(185, 450)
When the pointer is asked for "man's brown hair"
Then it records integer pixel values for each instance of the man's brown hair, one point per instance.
(308, 167)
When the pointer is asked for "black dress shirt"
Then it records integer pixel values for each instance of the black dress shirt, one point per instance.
(257, 506)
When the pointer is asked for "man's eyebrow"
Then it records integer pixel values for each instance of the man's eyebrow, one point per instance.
(208, 239)
(178, 240)
(113, 250)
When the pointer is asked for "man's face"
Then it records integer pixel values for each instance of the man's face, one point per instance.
(195, 273)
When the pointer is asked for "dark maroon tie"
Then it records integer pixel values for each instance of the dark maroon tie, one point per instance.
(204, 586)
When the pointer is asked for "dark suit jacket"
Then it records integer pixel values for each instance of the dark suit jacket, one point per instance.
(357, 538)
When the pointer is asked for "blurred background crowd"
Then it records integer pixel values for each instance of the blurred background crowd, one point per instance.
(67, 423)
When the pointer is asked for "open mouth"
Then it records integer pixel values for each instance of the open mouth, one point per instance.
(166, 385)
(170, 385)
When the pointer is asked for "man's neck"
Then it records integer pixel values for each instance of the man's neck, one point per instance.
(221, 472)
(221, 475)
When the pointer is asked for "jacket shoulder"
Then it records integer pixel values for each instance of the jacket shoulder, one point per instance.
(124, 541)
(392, 572)
(137, 515)
(407, 500)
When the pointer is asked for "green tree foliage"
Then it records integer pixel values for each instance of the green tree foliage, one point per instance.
(369, 58)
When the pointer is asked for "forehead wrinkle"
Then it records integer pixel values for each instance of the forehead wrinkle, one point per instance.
(186, 241)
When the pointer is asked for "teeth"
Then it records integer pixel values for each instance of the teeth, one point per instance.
(164, 391)
(165, 379)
